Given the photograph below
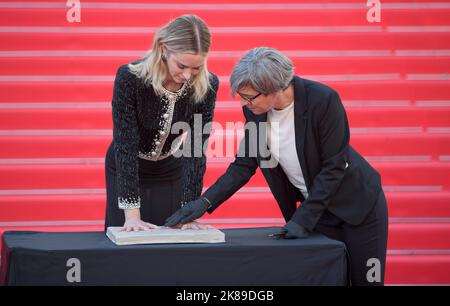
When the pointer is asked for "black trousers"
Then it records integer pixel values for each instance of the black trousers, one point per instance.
(160, 187)
(366, 243)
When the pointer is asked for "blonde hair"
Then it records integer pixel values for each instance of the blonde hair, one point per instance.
(187, 33)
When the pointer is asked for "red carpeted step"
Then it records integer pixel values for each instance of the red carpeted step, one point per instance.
(100, 118)
(14, 41)
(377, 60)
(419, 235)
(55, 176)
(52, 207)
(418, 269)
(208, 2)
(28, 63)
(93, 90)
(95, 146)
(419, 204)
(77, 118)
(410, 173)
(399, 116)
(402, 144)
(225, 16)
(64, 146)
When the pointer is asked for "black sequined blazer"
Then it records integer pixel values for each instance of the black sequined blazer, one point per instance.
(142, 129)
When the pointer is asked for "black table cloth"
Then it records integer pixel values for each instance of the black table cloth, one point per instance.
(248, 258)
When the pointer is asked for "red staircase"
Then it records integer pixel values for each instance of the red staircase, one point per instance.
(56, 83)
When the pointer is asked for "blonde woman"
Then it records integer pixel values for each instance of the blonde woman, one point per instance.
(145, 181)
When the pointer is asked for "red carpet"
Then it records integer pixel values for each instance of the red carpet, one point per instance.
(56, 83)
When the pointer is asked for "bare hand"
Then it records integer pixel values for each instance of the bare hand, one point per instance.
(137, 225)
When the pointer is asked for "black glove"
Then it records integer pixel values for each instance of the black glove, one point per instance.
(189, 212)
(291, 230)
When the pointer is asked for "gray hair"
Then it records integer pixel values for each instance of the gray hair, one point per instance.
(265, 69)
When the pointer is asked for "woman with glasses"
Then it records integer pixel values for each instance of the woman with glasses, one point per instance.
(145, 180)
(307, 133)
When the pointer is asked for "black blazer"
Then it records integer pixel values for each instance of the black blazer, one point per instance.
(337, 177)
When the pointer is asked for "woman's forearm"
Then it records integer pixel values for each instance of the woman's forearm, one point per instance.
(133, 213)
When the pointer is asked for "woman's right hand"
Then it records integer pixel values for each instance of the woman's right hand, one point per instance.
(133, 222)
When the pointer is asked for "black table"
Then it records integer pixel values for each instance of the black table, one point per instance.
(248, 258)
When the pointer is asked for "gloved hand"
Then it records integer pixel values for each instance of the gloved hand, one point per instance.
(189, 212)
(291, 230)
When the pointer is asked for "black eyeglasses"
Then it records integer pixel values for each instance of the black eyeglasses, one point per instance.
(249, 99)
